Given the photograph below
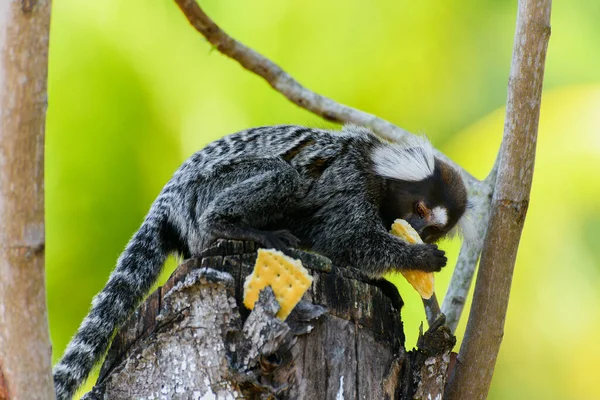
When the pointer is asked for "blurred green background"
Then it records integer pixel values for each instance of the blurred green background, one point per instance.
(134, 90)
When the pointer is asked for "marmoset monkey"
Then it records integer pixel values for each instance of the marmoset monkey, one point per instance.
(333, 192)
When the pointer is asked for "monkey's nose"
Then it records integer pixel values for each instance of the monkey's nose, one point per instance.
(418, 224)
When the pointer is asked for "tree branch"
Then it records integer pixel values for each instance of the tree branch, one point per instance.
(462, 277)
(477, 358)
(285, 84)
(281, 80)
(25, 353)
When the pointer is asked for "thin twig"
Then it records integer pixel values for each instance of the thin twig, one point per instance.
(472, 375)
(432, 309)
(462, 277)
(281, 80)
(285, 84)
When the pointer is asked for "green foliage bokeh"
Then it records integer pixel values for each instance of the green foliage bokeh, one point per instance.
(134, 90)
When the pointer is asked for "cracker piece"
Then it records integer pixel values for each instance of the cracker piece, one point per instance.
(422, 281)
(286, 276)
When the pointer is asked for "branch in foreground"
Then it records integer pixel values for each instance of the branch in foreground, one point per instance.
(25, 350)
(477, 358)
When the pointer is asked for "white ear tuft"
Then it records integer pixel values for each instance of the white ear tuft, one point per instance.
(411, 160)
(469, 223)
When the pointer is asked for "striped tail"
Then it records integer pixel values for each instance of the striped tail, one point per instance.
(137, 269)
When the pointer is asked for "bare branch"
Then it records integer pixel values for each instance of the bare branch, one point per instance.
(472, 375)
(432, 309)
(25, 362)
(281, 80)
(462, 277)
(288, 86)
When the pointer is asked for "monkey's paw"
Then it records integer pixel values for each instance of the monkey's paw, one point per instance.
(279, 240)
(427, 257)
(287, 237)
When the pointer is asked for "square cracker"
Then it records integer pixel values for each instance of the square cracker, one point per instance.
(286, 276)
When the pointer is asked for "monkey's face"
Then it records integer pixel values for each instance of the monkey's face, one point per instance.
(432, 206)
(431, 221)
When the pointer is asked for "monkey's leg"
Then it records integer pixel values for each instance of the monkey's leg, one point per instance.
(266, 189)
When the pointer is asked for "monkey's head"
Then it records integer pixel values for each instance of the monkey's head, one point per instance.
(421, 189)
(433, 206)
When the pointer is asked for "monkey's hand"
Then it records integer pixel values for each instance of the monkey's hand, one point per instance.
(355, 236)
(279, 240)
(426, 257)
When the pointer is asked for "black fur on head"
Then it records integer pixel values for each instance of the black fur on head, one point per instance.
(433, 206)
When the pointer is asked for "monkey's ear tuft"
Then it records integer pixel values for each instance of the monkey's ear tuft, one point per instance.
(411, 161)
(468, 224)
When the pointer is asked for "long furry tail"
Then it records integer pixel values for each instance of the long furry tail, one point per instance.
(137, 269)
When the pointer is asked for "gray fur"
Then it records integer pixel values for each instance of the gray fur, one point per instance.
(270, 184)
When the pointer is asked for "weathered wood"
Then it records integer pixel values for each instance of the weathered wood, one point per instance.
(196, 323)
(431, 360)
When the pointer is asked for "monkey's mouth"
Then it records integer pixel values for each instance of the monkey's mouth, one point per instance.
(418, 225)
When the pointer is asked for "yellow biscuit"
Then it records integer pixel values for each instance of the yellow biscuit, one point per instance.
(423, 282)
(286, 276)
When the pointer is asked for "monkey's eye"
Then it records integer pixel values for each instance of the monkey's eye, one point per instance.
(421, 210)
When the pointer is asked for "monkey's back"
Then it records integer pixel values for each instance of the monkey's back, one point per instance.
(327, 162)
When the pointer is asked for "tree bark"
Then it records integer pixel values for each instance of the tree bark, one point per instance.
(25, 352)
(474, 369)
(193, 338)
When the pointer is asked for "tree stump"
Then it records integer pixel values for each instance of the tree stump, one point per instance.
(193, 339)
